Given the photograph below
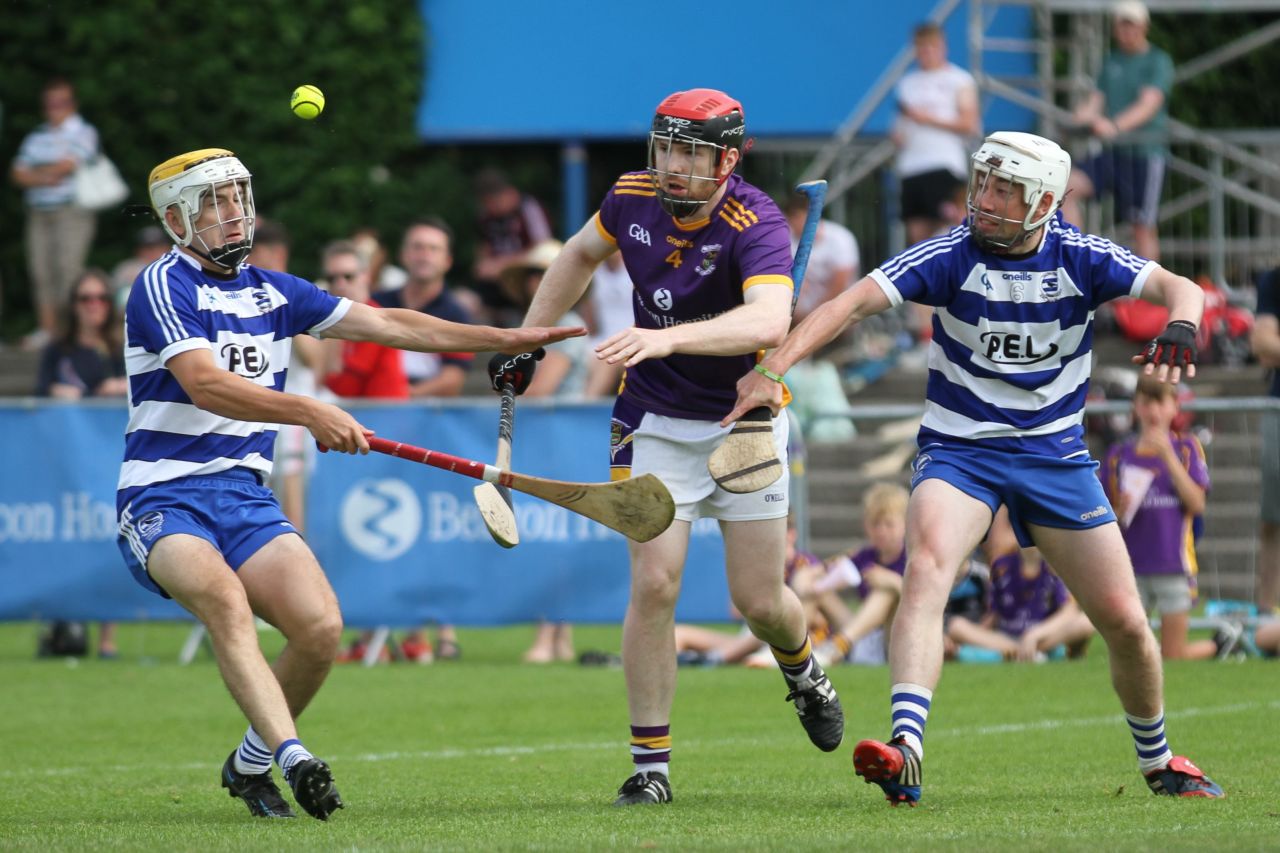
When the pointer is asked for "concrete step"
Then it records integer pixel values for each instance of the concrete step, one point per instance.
(18, 372)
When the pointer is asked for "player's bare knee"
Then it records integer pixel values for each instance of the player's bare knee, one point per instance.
(319, 637)
(1123, 628)
(761, 610)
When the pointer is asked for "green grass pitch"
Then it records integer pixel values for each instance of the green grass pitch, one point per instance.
(486, 753)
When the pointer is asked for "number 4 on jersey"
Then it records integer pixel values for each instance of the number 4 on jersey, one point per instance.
(675, 259)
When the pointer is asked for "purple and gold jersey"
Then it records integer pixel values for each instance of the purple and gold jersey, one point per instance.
(868, 558)
(1159, 537)
(687, 273)
(1020, 602)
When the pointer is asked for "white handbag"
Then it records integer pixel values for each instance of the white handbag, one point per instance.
(99, 185)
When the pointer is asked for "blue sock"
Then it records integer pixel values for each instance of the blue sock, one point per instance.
(1148, 739)
(253, 757)
(290, 753)
(910, 712)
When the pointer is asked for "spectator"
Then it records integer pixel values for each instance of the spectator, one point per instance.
(1266, 346)
(874, 573)
(833, 261)
(295, 451)
(427, 255)
(382, 274)
(59, 233)
(87, 360)
(1157, 481)
(609, 306)
(938, 114)
(358, 368)
(1131, 102)
(151, 243)
(1268, 638)
(1030, 613)
(561, 373)
(87, 357)
(510, 224)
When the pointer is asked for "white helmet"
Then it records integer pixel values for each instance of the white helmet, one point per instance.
(1040, 166)
(182, 182)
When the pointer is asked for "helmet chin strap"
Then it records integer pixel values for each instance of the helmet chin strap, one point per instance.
(228, 256)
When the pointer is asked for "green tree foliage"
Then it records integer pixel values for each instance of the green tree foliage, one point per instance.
(157, 80)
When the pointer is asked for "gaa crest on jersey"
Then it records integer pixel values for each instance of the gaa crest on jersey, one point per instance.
(1049, 286)
(710, 253)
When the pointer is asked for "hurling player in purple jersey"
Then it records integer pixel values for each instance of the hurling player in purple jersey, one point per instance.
(710, 259)
(1013, 289)
(208, 344)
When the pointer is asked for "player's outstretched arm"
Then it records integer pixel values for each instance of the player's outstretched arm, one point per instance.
(224, 393)
(412, 330)
(1174, 351)
(864, 299)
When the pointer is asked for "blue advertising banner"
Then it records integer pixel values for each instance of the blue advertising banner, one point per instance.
(402, 543)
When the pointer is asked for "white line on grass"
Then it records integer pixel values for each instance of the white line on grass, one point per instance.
(508, 751)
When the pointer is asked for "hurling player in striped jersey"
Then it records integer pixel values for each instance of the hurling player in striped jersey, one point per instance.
(207, 349)
(1013, 289)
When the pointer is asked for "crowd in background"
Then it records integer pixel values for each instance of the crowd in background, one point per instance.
(79, 335)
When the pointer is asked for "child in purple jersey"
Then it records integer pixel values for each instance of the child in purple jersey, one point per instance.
(710, 259)
(1013, 292)
(1157, 480)
(1029, 611)
(873, 573)
(207, 355)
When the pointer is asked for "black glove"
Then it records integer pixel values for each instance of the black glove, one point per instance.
(1176, 346)
(517, 370)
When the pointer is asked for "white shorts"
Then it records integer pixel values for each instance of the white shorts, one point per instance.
(1165, 593)
(676, 450)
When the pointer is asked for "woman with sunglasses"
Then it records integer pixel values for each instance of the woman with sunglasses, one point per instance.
(87, 357)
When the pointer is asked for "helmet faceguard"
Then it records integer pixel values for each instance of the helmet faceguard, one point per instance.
(704, 119)
(183, 182)
(1037, 165)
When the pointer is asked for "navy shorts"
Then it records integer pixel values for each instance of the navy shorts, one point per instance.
(1133, 180)
(924, 194)
(1043, 490)
(230, 510)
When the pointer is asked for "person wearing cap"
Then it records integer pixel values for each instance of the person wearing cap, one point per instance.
(1014, 290)
(1128, 111)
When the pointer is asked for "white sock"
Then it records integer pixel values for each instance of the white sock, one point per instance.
(290, 753)
(910, 710)
(1148, 739)
(662, 768)
(253, 757)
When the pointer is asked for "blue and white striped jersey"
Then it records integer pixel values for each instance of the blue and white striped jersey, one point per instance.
(247, 322)
(1012, 337)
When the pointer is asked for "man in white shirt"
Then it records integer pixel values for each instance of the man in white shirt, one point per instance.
(833, 261)
(938, 104)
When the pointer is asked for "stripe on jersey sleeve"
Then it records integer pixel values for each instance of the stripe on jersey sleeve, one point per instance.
(156, 282)
(602, 231)
(771, 278)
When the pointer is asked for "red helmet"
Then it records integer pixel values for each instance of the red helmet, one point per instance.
(697, 117)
